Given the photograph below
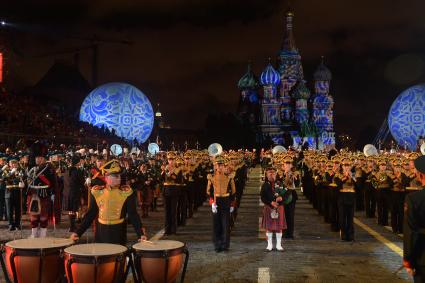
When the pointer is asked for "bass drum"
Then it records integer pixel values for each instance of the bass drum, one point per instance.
(160, 261)
(95, 263)
(37, 260)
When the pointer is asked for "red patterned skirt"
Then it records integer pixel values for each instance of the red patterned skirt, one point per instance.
(273, 225)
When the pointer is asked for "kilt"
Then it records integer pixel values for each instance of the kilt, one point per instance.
(273, 225)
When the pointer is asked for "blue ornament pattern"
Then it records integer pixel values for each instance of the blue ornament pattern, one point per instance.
(122, 107)
(406, 118)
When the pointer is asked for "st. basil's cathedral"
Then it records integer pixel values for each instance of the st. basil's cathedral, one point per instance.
(284, 112)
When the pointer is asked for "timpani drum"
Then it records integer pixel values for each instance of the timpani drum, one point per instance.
(159, 261)
(37, 260)
(97, 262)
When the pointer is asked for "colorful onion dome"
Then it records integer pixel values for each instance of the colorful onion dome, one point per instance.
(269, 76)
(322, 73)
(248, 81)
(301, 91)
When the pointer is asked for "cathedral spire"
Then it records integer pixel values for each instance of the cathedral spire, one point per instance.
(289, 39)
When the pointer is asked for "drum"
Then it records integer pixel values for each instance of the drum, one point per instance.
(98, 262)
(159, 261)
(37, 260)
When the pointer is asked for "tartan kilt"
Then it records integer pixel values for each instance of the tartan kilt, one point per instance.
(273, 225)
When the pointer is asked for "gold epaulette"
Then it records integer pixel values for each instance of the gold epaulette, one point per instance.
(126, 190)
(97, 188)
(232, 175)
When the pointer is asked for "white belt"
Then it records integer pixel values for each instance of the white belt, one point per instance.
(39, 187)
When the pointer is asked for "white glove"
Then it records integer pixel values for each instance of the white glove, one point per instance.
(4, 167)
(88, 181)
(21, 185)
(13, 171)
(214, 208)
(232, 209)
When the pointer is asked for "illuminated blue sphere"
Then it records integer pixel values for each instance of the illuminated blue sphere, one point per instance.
(406, 119)
(122, 107)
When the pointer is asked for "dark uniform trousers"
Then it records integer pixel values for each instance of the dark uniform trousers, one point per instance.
(326, 192)
(333, 209)
(191, 196)
(171, 197)
(182, 205)
(360, 195)
(221, 223)
(289, 217)
(383, 204)
(397, 211)
(3, 212)
(370, 199)
(13, 206)
(346, 207)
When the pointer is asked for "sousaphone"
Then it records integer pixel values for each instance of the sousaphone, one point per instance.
(215, 149)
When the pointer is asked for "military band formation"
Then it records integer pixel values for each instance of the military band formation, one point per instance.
(102, 191)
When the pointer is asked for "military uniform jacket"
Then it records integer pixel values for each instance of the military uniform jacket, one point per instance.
(414, 230)
(221, 185)
(112, 205)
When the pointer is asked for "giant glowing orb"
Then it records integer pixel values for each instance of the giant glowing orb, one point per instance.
(122, 107)
(406, 119)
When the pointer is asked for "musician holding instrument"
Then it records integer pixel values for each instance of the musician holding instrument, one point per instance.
(289, 179)
(383, 184)
(13, 176)
(397, 194)
(346, 200)
(414, 227)
(173, 178)
(41, 187)
(112, 202)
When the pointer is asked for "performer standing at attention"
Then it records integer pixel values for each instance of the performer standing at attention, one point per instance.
(221, 190)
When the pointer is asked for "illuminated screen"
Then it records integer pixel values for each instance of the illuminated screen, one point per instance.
(122, 107)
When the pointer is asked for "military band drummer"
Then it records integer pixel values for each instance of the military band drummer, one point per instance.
(113, 202)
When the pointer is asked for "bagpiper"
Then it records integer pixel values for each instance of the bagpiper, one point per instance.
(41, 187)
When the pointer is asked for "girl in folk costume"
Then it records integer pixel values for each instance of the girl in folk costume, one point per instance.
(273, 212)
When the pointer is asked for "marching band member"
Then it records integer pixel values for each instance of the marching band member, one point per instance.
(397, 194)
(13, 177)
(112, 202)
(290, 177)
(73, 190)
(346, 201)
(40, 190)
(273, 211)
(221, 190)
(173, 177)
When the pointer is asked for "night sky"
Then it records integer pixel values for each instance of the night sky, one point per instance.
(189, 55)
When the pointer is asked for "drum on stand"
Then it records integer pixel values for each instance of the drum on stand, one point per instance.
(160, 261)
(95, 263)
(37, 260)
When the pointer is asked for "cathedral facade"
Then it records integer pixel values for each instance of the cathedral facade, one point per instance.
(280, 107)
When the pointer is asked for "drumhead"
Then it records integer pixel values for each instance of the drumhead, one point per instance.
(95, 249)
(160, 245)
(39, 243)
